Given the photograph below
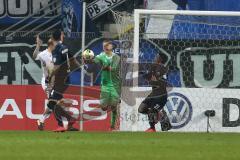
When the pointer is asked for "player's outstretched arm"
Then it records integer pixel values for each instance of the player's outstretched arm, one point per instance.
(38, 45)
(74, 64)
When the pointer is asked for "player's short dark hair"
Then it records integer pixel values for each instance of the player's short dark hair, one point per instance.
(56, 35)
(50, 42)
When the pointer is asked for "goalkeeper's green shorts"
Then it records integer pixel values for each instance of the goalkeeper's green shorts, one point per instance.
(110, 96)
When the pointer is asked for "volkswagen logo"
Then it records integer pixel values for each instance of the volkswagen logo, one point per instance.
(179, 110)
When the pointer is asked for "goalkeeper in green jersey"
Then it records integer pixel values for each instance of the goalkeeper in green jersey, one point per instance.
(110, 80)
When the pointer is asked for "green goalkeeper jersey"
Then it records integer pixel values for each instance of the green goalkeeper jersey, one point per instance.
(109, 78)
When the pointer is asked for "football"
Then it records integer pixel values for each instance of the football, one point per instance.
(88, 54)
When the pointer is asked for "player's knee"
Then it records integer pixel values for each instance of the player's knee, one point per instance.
(51, 105)
(104, 108)
(142, 108)
(114, 107)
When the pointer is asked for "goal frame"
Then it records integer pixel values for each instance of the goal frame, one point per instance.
(139, 12)
(137, 16)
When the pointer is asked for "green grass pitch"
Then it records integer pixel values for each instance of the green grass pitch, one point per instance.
(118, 145)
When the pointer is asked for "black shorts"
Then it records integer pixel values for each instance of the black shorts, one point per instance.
(55, 95)
(152, 101)
(60, 83)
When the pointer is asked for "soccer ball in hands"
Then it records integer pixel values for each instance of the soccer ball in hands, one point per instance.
(88, 54)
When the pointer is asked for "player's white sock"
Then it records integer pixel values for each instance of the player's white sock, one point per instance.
(46, 115)
(65, 122)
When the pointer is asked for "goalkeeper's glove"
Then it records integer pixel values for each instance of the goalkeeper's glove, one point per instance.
(107, 68)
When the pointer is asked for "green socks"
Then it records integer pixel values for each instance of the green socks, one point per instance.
(113, 118)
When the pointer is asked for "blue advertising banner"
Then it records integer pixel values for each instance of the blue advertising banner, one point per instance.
(208, 27)
(72, 18)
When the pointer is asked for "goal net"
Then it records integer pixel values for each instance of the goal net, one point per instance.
(201, 50)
